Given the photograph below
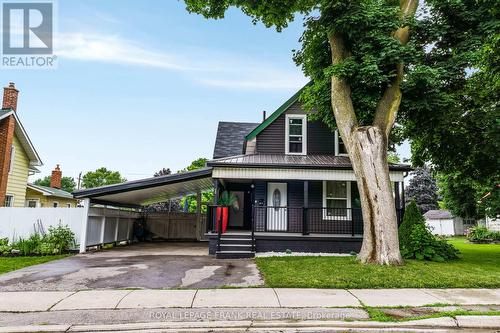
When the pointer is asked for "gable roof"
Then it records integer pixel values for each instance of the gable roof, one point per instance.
(23, 137)
(276, 114)
(50, 191)
(230, 138)
(438, 214)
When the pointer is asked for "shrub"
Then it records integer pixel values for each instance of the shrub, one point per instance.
(61, 238)
(412, 217)
(29, 246)
(481, 234)
(417, 242)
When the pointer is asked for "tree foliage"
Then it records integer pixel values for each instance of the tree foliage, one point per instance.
(423, 190)
(450, 109)
(67, 183)
(101, 177)
(189, 202)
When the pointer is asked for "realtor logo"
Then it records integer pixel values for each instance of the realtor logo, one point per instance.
(27, 34)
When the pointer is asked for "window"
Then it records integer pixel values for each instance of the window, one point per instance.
(340, 149)
(296, 134)
(12, 156)
(55, 204)
(337, 200)
(32, 203)
(9, 200)
(68, 205)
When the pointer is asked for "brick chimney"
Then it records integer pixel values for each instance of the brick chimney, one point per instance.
(55, 180)
(7, 126)
(10, 95)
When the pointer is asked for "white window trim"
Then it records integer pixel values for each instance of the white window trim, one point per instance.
(68, 205)
(12, 202)
(349, 206)
(12, 157)
(35, 200)
(55, 202)
(337, 144)
(304, 133)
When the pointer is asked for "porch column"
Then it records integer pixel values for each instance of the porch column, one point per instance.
(305, 214)
(199, 229)
(397, 202)
(85, 221)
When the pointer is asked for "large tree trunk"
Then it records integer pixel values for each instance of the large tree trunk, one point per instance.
(368, 154)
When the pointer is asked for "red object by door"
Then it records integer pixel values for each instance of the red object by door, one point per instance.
(221, 212)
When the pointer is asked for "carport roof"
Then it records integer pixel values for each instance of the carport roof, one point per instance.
(150, 190)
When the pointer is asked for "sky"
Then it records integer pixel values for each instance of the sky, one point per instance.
(141, 86)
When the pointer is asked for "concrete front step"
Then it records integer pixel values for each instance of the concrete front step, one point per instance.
(234, 254)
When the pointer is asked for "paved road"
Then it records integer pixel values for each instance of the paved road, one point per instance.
(144, 265)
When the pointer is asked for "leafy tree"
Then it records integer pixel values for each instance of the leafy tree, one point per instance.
(393, 157)
(101, 177)
(67, 183)
(361, 62)
(190, 201)
(171, 205)
(450, 112)
(354, 52)
(163, 172)
(196, 164)
(423, 190)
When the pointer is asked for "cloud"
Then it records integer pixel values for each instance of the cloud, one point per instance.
(228, 71)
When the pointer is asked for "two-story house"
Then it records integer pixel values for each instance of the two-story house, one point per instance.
(294, 185)
(292, 180)
(18, 157)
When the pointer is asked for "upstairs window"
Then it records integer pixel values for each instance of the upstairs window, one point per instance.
(296, 134)
(340, 149)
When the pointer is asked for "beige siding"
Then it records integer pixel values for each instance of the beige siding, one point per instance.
(48, 201)
(18, 176)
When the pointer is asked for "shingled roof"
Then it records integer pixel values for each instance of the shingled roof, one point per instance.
(231, 138)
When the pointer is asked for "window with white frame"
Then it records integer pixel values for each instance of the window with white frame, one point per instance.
(32, 203)
(12, 157)
(68, 205)
(296, 134)
(55, 204)
(9, 200)
(340, 149)
(336, 200)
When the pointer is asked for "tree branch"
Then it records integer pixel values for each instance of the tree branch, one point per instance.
(388, 106)
(343, 109)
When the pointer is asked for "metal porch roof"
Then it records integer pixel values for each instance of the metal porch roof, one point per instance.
(150, 190)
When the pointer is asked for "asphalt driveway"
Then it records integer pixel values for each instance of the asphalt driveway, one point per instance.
(144, 265)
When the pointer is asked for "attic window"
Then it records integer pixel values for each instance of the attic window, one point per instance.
(296, 134)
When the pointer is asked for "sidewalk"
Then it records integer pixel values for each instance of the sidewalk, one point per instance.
(241, 298)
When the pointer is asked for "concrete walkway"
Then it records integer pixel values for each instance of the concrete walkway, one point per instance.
(241, 298)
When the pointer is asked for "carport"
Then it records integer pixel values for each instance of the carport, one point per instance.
(111, 210)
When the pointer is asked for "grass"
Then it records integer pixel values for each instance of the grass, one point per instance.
(8, 264)
(377, 314)
(478, 267)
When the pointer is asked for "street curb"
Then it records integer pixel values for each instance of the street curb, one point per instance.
(432, 324)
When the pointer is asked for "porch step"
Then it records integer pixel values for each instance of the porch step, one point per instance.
(242, 241)
(236, 235)
(236, 247)
(234, 254)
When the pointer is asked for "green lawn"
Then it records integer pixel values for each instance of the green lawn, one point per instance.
(478, 267)
(8, 264)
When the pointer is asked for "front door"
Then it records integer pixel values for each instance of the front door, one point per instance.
(277, 202)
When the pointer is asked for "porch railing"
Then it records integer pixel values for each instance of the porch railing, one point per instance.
(304, 220)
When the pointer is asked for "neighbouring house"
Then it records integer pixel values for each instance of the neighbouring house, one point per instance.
(443, 223)
(292, 178)
(53, 196)
(18, 157)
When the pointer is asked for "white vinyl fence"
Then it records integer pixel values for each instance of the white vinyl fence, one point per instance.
(18, 223)
(103, 225)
